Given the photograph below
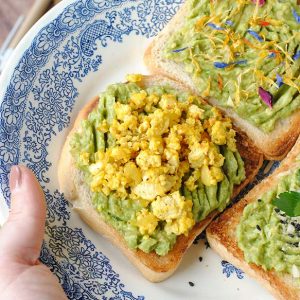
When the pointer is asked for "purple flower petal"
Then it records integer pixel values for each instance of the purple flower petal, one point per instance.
(260, 2)
(266, 97)
(255, 35)
(296, 55)
(230, 23)
(222, 65)
(179, 50)
(296, 16)
(214, 26)
(279, 80)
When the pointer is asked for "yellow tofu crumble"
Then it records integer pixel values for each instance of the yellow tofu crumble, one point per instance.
(160, 145)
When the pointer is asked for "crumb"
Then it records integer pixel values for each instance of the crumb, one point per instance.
(191, 283)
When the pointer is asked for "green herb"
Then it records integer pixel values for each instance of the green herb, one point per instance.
(288, 202)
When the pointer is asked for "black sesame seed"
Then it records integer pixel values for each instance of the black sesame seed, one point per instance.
(191, 283)
(258, 227)
(200, 258)
(296, 244)
(277, 210)
(290, 235)
(283, 221)
(297, 226)
(259, 200)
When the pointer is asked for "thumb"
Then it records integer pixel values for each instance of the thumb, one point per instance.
(21, 236)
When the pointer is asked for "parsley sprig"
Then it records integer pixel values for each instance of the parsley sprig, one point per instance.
(288, 202)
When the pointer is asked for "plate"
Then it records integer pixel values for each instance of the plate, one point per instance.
(68, 57)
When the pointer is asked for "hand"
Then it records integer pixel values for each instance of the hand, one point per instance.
(22, 276)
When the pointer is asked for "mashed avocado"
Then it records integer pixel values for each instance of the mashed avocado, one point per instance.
(267, 236)
(233, 48)
(157, 161)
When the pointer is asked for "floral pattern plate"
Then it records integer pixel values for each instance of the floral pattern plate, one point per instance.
(69, 56)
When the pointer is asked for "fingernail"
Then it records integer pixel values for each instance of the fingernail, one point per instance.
(15, 177)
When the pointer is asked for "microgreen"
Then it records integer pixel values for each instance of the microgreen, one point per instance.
(288, 202)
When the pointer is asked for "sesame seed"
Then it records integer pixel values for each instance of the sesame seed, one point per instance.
(191, 283)
(277, 210)
(258, 227)
(200, 258)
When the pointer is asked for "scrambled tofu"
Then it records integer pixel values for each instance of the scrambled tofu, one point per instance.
(176, 211)
(146, 222)
(160, 144)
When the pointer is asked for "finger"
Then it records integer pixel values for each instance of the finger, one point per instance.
(21, 236)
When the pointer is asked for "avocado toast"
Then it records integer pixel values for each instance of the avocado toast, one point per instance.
(151, 204)
(261, 239)
(243, 57)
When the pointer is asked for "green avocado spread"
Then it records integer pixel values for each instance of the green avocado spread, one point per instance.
(199, 194)
(246, 56)
(267, 236)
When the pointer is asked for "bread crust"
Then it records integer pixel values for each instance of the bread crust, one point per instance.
(154, 267)
(274, 145)
(222, 238)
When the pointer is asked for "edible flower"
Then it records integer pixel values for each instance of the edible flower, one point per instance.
(260, 2)
(214, 26)
(179, 50)
(222, 65)
(255, 35)
(266, 97)
(264, 23)
(271, 55)
(296, 55)
(279, 80)
(296, 16)
(228, 22)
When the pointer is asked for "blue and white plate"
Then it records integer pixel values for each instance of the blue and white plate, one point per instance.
(68, 57)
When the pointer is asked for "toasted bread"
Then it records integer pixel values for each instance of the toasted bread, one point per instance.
(274, 145)
(154, 267)
(222, 238)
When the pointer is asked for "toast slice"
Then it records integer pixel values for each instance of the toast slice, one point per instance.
(274, 145)
(222, 238)
(154, 267)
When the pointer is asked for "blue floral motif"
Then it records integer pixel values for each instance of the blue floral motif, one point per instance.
(39, 101)
(266, 170)
(229, 269)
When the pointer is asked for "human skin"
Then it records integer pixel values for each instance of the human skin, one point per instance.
(22, 275)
